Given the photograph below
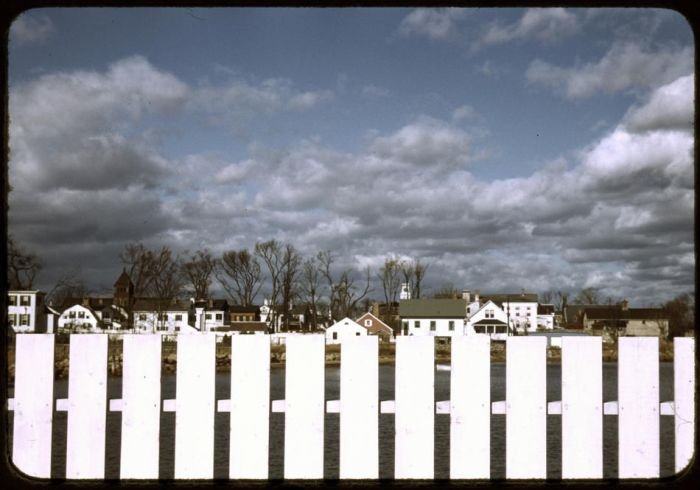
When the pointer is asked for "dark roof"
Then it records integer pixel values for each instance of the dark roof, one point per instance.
(433, 308)
(243, 309)
(500, 298)
(617, 313)
(490, 321)
(545, 309)
(93, 303)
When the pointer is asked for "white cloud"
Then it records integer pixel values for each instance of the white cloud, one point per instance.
(270, 96)
(373, 92)
(438, 24)
(29, 28)
(544, 24)
(669, 107)
(625, 67)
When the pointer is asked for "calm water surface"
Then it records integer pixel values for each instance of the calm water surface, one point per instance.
(386, 426)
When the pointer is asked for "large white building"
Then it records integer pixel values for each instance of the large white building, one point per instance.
(343, 329)
(24, 311)
(520, 308)
(433, 317)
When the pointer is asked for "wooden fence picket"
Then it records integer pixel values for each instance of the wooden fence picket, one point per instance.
(414, 418)
(526, 407)
(195, 405)
(250, 407)
(638, 407)
(305, 406)
(470, 408)
(140, 406)
(582, 407)
(684, 400)
(359, 408)
(87, 406)
(33, 404)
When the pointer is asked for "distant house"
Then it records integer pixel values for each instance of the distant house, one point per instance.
(433, 317)
(165, 317)
(622, 320)
(25, 312)
(520, 308)
(375, 326)
(78, 318)
(343, 329)
(210, 314)
(300, 317)
(545, 316)
(244, 328)
(491, 320)
(238, 313)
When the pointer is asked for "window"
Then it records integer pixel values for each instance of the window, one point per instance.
(81, 314)
(12, 319)
(432, 325)
(24, 300)
(357, 334)
(12, 300)
(207, 316)
(219, 316)
(178, 318)
(177, 329)
(335, 335)
(161, 328)
(489, 314)
(368, 323)
(416, 324)
(451, 325)
(71, 314)
(24, 319)
(142, 317)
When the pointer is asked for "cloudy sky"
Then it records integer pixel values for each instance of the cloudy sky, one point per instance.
(519, 148)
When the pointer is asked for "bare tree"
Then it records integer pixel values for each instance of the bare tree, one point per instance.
(419, 271)
(547, 297)
(390, 277)
(587, 296)
(291, 263)
(69, 285)
(447, 291)
(311, 287)
(240, 275)
(138, 263)
(22, 266)
(271, 253)
(199, 271)
(343, 294)
(408, 271)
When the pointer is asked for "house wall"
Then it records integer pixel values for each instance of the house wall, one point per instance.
(545, 321)
(440, 328)
(22, 315)
(215, 320)
(147, 322)
(523, 314)
(653, 328)
(485, 313)
(77, 317)
(343, 329)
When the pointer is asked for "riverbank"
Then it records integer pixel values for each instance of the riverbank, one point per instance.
(278, 355)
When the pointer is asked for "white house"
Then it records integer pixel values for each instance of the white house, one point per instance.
(545, 316)
(169, 317)
(23, 311)
(343, 329)
(520, 308)
(78, 318)
(434, 317)
(490, 319)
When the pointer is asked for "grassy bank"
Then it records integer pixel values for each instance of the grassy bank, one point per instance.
(278, 355)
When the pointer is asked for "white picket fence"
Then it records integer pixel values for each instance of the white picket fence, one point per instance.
(526, 408)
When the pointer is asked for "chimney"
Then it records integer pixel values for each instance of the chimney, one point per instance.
(466, 294)
(624, 305)
(375, 309)
(86, 301)
(211, 303)
(476, 295)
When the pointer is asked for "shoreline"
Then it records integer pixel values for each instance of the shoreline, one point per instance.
(277, 357)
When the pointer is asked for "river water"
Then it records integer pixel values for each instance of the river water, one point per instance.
(386, 426)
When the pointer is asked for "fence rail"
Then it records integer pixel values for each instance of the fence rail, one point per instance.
(638, 407)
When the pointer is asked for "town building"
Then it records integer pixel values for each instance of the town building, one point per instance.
(25, 311)
(375, 326)
(343, 329)
(434, 317)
